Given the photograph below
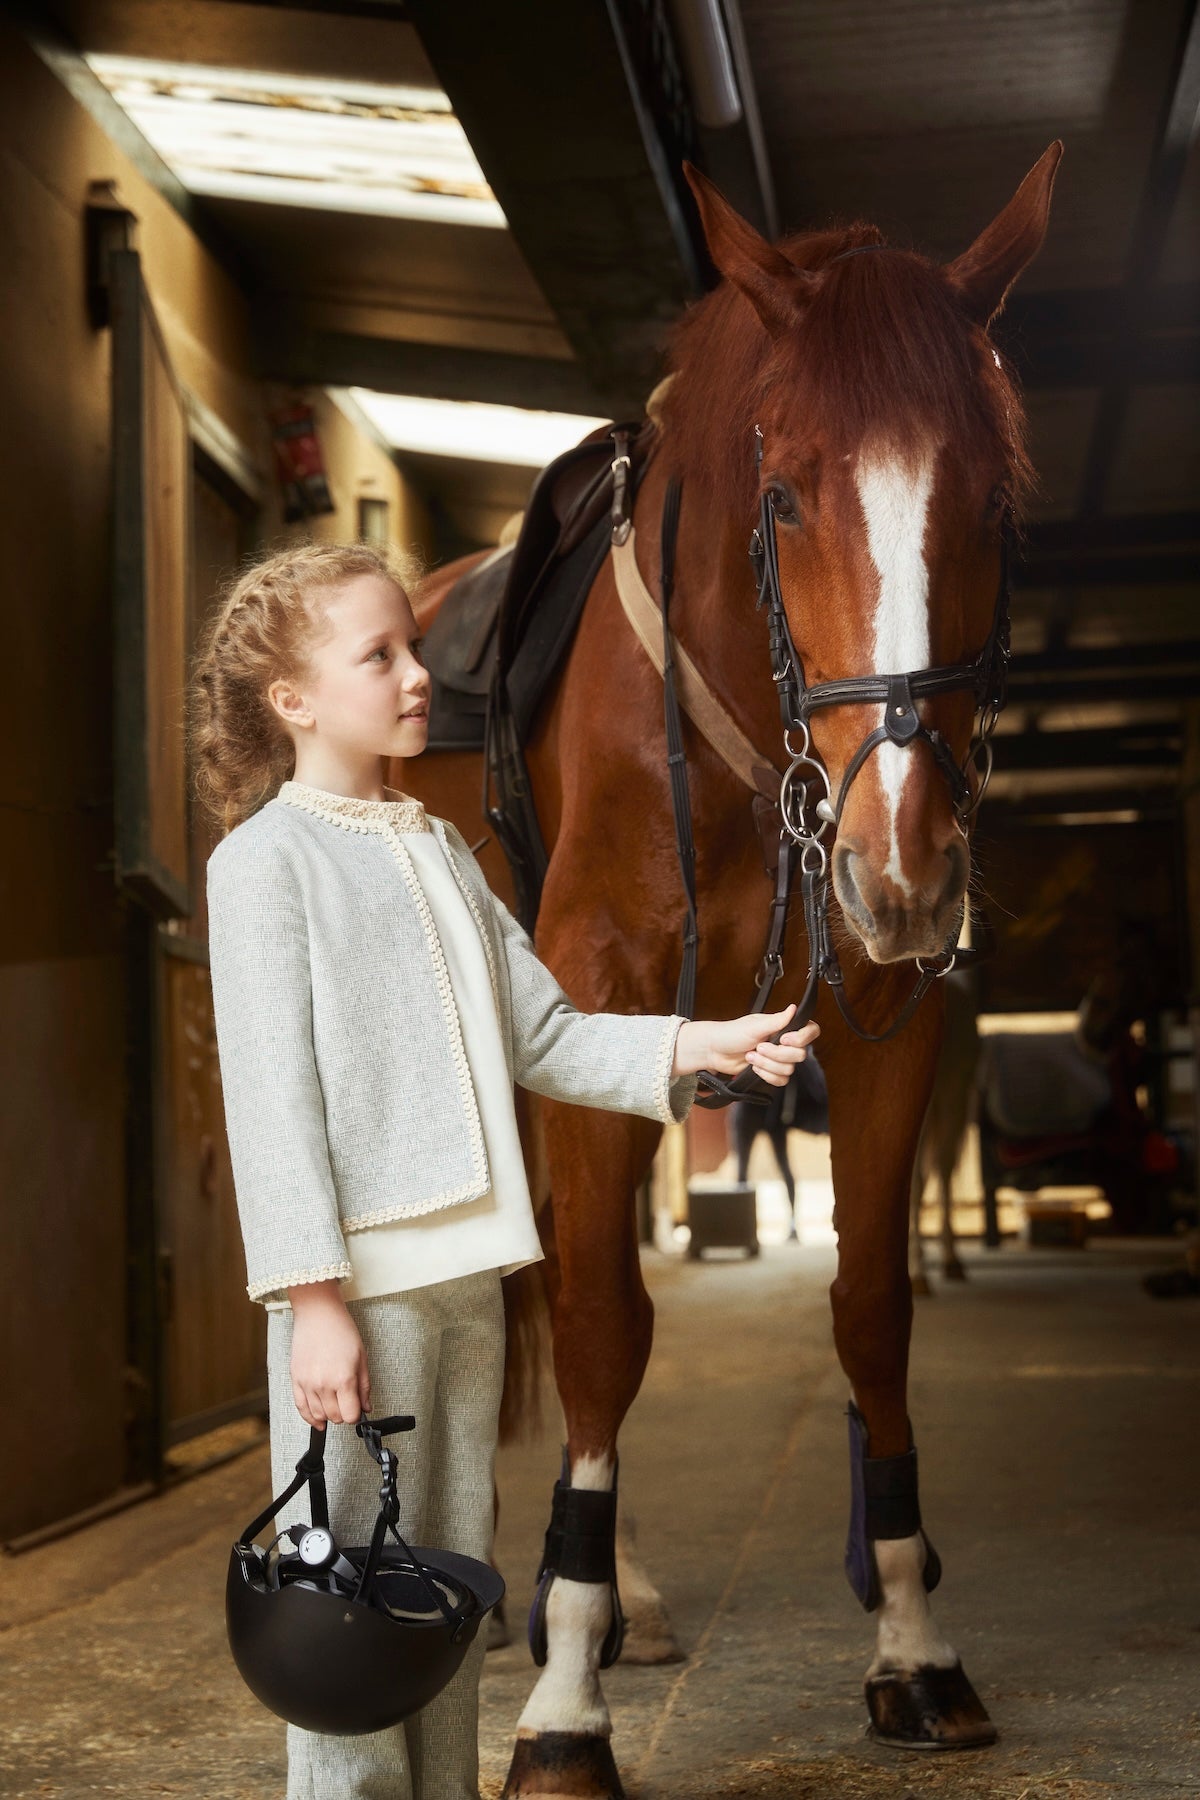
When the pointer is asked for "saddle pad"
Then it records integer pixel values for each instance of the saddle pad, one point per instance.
(1038, 1085)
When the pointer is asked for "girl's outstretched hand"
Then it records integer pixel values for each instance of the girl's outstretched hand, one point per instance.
(727, 1046)
(329, 1364)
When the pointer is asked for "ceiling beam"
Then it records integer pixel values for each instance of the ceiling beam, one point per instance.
(1043, 689)
(1172, 654)
(288, 349)
(1122, 531)
(1154, 801)
(1150, 746)
(1074, 338)
(1129, 568)
(393, 12)
(1137, 550)
(581, 126)
(1164, 177)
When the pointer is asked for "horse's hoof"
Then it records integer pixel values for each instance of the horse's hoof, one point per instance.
(931, 1709)
(499, 1637)
(953, 1270)
(563, 1765)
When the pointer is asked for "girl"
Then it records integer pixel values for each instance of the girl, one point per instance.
(374, 1004)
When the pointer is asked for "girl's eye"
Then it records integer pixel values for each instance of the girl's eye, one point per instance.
(418, 644)
(382, 651)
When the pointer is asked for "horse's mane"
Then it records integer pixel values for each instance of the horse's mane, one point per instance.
(881, 353)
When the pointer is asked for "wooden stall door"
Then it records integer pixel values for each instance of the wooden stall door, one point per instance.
(214, 1336)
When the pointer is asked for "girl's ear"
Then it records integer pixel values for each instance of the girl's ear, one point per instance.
(290, 705)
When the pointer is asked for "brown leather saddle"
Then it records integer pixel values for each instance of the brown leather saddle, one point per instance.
(504, 629)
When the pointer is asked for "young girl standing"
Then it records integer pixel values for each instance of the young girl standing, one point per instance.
(374, 1004)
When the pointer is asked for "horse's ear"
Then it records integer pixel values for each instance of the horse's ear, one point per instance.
(769, 281)
(982, 275)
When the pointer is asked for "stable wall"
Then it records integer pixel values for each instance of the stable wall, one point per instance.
(63, 1094)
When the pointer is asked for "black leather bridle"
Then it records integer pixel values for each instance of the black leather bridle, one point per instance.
(806, 804)
(807, 808)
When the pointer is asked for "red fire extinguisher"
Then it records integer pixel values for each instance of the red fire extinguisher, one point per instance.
(299, 462)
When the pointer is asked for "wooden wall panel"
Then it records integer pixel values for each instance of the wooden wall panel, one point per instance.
(62, 1321)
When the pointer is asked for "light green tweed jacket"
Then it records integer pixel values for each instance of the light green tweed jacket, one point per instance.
(348, 1098)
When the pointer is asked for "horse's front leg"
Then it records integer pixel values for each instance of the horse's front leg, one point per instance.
(918, 1274)
(917, 1693)
(603, 1322)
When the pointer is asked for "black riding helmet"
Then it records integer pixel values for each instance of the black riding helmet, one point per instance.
(344, 1641)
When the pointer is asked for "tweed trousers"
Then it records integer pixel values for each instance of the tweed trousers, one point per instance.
(436, 1352)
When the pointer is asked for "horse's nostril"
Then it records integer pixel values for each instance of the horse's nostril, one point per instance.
(959, 859)
(846, 886)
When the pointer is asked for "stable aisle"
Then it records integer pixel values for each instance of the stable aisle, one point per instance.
(1056, 1410)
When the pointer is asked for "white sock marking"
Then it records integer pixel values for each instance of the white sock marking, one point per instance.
(895, 502)
(907, 1636)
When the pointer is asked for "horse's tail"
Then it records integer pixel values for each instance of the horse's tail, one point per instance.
(527, 1325)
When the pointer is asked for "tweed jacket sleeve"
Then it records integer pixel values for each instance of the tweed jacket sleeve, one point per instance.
(620, 1062)
(274, 1108)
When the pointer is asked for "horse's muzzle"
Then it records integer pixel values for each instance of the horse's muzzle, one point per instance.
(899, 917)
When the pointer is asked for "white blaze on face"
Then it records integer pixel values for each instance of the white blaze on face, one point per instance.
(895, 501)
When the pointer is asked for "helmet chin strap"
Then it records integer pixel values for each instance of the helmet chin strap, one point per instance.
(310, 1471)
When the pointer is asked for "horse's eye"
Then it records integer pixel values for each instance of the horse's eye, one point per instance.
(783, 504)
(998, 502)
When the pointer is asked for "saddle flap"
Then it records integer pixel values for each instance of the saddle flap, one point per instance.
(460, 646)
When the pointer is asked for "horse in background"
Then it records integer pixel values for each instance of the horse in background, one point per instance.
(1063, 1108)
(801, 1105)
(890, 454)
(951, 1110)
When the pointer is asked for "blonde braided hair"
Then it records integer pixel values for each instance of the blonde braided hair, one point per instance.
(261, 631)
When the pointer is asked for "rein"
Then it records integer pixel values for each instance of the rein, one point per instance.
(805, 824)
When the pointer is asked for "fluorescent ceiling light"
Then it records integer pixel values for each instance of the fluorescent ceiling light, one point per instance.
(289, 140)
(482, 433)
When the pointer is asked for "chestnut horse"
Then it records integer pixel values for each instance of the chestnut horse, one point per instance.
(891, 450)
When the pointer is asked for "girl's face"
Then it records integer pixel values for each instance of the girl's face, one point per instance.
(366, 693)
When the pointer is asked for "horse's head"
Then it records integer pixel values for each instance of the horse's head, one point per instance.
(892, 448)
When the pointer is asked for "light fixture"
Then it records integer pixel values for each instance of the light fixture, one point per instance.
(346, 146)
(472, 429)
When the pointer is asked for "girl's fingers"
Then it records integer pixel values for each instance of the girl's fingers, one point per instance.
(348, 1403)
(769, 1053)
(331, 1401)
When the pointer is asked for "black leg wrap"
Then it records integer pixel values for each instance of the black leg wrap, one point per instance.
(581, 1545)
(884, 1503)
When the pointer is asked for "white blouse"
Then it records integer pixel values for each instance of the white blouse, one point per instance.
(496, 1231)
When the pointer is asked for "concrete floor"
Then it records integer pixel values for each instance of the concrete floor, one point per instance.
(1056, 1412)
